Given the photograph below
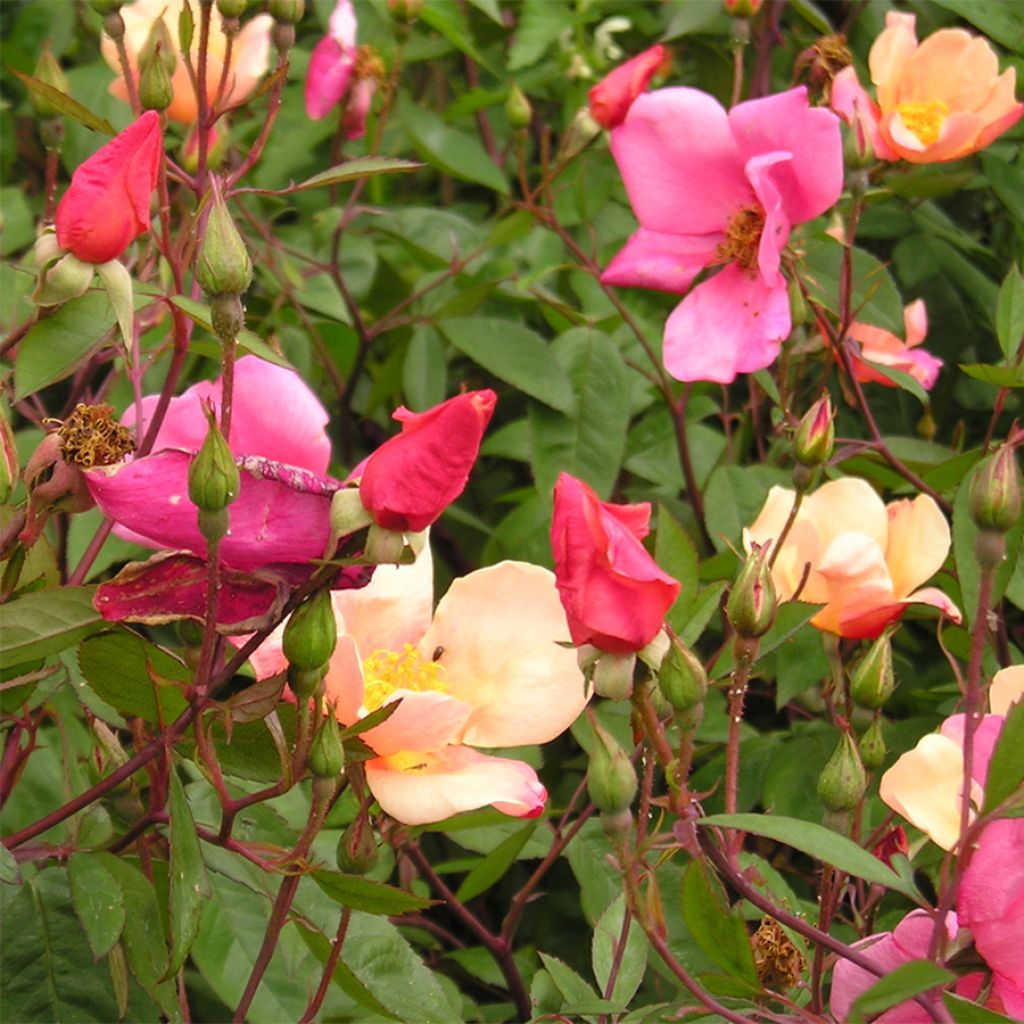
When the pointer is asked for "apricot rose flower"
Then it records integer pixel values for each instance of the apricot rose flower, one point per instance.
(939, 100)
(250, 54)
(863, 560)
(488, 671)
(880, 346)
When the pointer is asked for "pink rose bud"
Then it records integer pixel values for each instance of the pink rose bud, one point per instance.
(106, 206)
(995, 492)
(742, 8)
(612, 97)
(409, 481)
(814, 438)
(614, 594)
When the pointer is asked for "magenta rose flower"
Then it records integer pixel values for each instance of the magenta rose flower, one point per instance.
(282, 514)
(106, 206)
(614, 594)
(713, 188)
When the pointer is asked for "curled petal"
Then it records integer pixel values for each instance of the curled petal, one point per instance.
(419, 789)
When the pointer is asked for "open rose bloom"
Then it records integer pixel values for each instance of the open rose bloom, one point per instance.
(718, 189)
(863, 560)
(938, 100)
(487, 671)
(882, 347)
(250, 54)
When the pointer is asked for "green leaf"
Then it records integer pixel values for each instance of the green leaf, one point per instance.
(996, 18)
(707, 603)
(98, 901)
(354, 170)
(451, 151)
(1007, 181)
(516, 355)
(46, 622)
(792, 617)
(424, 372)
(56, 346)
(716, 928)
(819, 842)
(248, 343)
(801, 663)
(901, 983)
(448, 19)
(675, 553)
(64, 103)
(579, 997)
(370, 897)
(1010, 313)
(590, 443)
(1006, 768)
(189, 885)
(903, 380)
(491, 869)
(1000, 376)
(604, 952)
(733, 498)
(138, 679)
(539, 24)
(964, 1011)
(10, 873)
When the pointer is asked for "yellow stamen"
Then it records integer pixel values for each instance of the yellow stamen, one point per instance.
(743, 238)
(925, 120)
(384, 672)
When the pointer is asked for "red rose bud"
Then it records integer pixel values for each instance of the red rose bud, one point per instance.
(409, 481)
(752, 603)
(612, 97)
(873, 679)
(994, 498)
(611, 777)
(842, 781)
(892, 843)
(106, 206)
(614, 594)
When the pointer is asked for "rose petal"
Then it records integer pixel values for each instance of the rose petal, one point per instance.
(668, 263)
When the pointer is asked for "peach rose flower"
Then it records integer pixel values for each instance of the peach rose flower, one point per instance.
(878, 345)
(863, 560)
(925, 784)
(486, 671)
(938, 100)
(250, 54)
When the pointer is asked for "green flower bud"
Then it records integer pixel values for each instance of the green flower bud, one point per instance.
(155, 88)
(873, 679)
(682, 679)
(613, 675)
(311, 634)
(752, 603)
(994, 498)
(517, 108)
(611, 779)
(872, 745)
(384, 547)
(227, 317)
(858, 153)
(232, 8)
(842, 781)
(64, 280)
(186, 28)
(815, 436)
(213, 479)
(159, 46)
(357, 848)
(304, 682)
(48, 71)
(289, 11)
(348, 513)
(223, 266)
(283, 36)
(797, 305)
(326, 755)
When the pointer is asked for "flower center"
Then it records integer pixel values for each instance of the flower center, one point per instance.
(91, 437)
(925, 120)
(384, 672)
(742, 239)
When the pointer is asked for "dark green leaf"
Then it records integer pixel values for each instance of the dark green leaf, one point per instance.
(819, 842)
(1006, 769)
(1010, 313)
(188, 882)
(733, 498)
(353, 170)
(516, 355)
(46, 622)
(450, 21)
(248, 343)
(997, 19)
(707, 603)
(901, 983)
(56, 346)
(539, 24)
(964, 1011)
(902, 380)
(716, 928)
(10, 873)
(792, 617)
(675, 553)
(98, 900)
(579, 997)
(64, 103)
(491, 869)
(370, 897)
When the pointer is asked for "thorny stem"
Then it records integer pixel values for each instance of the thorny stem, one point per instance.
(313, 1007)
(202, 97)
(746, 654)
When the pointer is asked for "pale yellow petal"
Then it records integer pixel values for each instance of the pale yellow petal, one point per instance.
(1007, 688)
(918, 543)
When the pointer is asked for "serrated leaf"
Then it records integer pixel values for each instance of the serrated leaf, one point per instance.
(64, 103)
(56, 346)
(248, 343)
(1006, 768)
(516, 355)
(819, 842)
(1010, 313)
(354, 170)
(605, 953)
(10, 873)
(493, 867)
(578, 995)
(189, 885)
(898, 985)
(98, 901)
(359, 893)
(999, 376)
(47, 621)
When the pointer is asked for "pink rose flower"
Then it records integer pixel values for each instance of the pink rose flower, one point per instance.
(937, 101)
(409, 480)
(878, 345)
(722, 189)
(106, 206)
(487, 671)
(332, 62)
(282, 513)
(614, 595)
(612, 97)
